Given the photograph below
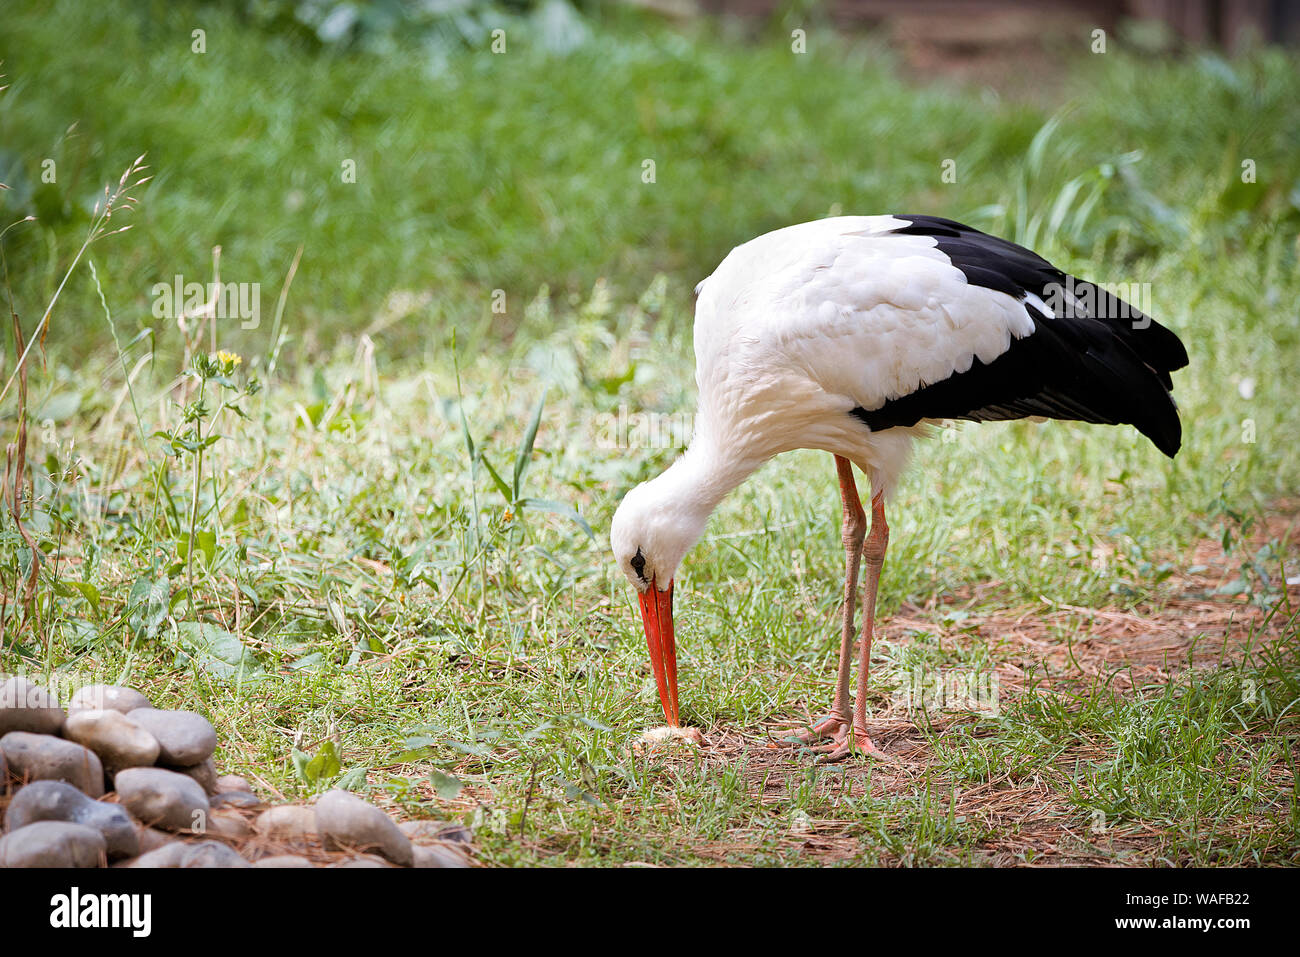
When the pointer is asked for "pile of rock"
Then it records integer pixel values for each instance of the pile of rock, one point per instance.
(113, 780)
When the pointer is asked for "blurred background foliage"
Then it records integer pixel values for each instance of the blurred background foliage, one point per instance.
(513, 171)
(439, 26)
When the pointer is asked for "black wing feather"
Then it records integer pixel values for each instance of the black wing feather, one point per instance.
(1108, 364)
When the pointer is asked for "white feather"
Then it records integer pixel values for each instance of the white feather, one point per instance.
(792, 331)
(800, 325)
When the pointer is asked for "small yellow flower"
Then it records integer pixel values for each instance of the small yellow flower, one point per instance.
(509, 515)
(231, 357)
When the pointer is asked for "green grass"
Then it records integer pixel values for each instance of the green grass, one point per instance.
(510, 171)
(363, 588)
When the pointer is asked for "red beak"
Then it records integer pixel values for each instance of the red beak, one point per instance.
(657, 617)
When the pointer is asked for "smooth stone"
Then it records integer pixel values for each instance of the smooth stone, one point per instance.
(284, 860)
(346, 821)
(229, 825)
(28, 707)
(184, 738)
(288, 822)
(204, 772)
(439, 855)
(119, 742)
(52, 844)
(151, 838)
(232, 782)
(363, 860)
(235, 799)
(107, 698)
(180, 854)
(457, 834)
(43, 757)
(60, 801)
(435, 831)
(162, 798)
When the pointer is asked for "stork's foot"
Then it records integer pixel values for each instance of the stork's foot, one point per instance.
(846, 743)
(831, 726)
(843, 740)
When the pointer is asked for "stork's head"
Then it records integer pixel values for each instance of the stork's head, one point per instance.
(652, 531)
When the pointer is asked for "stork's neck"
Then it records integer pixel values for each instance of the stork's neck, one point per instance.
(659, 521)
(703, 476)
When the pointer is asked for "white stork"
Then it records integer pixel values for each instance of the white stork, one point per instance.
(851, 335)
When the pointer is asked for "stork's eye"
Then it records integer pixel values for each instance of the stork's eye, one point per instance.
(638, 564)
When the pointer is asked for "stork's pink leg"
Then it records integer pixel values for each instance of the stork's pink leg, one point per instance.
(874, 552)
(836, 724)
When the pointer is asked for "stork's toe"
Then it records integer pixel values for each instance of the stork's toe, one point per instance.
(846, 745)
(833, 726)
